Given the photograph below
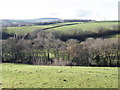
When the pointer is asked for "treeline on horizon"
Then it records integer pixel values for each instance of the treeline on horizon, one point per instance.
(19, 23)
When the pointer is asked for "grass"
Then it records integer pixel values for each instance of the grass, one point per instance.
(81, 26)
(91, 26)
(113, 36)
(27, 29)
(29, 76)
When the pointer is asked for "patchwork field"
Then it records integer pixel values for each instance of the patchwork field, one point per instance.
(78, 26)
(29, 76)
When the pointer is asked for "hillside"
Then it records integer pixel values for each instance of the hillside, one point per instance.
(25, 22)
(75, 26)
(69, 30)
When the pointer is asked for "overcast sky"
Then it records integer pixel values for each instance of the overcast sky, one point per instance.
(65, 9)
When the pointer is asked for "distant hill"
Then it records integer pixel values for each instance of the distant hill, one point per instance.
(25, 22)
(44, 20)
(29, 20)
(50, 18)
(37, 21)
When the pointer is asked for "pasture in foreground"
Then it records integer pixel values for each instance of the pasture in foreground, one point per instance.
(29, 76)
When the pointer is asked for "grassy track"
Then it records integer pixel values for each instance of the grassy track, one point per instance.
(78, 27)
(29, 76)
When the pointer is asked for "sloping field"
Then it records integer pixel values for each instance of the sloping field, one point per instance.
(26, 29)
(78, 26)
(29, 76)
(91, 26)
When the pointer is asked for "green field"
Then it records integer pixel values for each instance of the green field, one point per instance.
(26, 29)
(29, 76)
(91, 26)
(113, 36)
(81, 26)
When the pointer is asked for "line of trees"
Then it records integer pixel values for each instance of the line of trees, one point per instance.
(45, 49)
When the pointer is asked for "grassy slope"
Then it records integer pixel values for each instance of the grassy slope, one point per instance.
(84, 26)
(26, 29)
(29, 76)
(114, 36)
(87, 26)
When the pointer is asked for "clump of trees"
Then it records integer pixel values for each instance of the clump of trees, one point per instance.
(103, 52)
(4, 33)
(46, 49)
